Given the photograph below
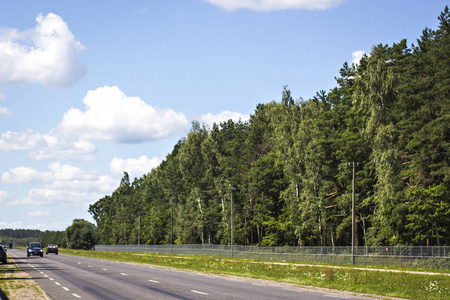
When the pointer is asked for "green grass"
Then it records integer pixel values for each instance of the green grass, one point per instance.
(403, 284)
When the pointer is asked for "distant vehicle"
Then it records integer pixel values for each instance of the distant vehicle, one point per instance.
(52, 248)
(3, 256)
(35, 248)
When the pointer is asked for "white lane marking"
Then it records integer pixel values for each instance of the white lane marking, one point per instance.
(298, 291)
(154, 281)
(123, 274)
(51, 279)
(45, 275)
(76, 296)
(197, 292)
(57, 283)
(79, 263)
(336, 296)
(105, 269)
(66, 289)
(258, 284)
(89, 266)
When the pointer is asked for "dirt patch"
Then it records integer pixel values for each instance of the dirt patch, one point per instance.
(17, 284)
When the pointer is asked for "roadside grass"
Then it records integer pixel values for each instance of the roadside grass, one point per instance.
(384, 283)
(17, 284)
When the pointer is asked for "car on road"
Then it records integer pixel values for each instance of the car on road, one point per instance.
(52, 248)
(35, 248)
(3, 255)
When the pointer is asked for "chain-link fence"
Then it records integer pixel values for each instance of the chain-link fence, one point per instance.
(416, 256)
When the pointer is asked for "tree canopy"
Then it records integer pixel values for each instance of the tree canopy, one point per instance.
(288, 169)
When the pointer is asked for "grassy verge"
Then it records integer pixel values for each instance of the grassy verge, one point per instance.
(18, 285)
(399, 284)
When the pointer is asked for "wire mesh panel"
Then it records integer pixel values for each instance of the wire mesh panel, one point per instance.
(415, 256)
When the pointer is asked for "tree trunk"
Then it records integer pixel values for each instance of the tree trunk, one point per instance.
(331, 232)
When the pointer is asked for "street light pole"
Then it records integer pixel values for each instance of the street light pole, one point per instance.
(171, 223)
(353, 216)
(139, 228)
(232, 231)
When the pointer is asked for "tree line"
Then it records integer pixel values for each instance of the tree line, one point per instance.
(18, 237)
(80, 235)
(288, 170)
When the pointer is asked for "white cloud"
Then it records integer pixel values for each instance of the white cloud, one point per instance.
(2, 97)
(112, 115)
(357, 55)
(39, 213)
(62, 183)
(46, 146)
(12, 225)
(109, 115)
(4, 196)
(273, 5)
(223, 116)
(4, 111)
(46, 54)
(25, 174)
(134, 167)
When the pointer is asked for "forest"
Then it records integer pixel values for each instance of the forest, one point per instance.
(288, 171)
(80, 235)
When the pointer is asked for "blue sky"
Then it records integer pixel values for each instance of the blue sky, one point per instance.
(90, 89)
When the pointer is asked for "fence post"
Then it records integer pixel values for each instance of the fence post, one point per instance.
(410, 255)
(421, 256)
(432, 256)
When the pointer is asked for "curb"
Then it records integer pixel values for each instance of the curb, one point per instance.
(2, 295)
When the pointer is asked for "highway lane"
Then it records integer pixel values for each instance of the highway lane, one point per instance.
(72, 277)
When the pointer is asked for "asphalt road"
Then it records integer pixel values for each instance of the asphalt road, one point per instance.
(72, 277)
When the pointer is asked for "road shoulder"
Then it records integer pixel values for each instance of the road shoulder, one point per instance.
(17, 284)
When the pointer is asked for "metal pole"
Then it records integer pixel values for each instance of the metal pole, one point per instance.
(353, 215)
(171, 224)
(139, 228)
(232, 233)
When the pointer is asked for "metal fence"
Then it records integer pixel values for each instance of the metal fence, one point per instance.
(415, 256)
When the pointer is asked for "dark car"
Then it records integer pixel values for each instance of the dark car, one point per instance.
(35, 248)
(52, 248)
(3, 256)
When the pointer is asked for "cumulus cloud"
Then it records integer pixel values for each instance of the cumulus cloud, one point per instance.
(13, 225)
(109, 115)
(39, 213)
(60, 184)
(357, 55)
(46, 146)
(223, 116)
(112, 115)
(134, 167)
(4, 196)
(24, 174)
(46, 54)
(273, 5)
(4, 111)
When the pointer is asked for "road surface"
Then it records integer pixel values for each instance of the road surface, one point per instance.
(73, 277)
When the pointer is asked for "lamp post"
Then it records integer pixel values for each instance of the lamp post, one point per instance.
(139, 228)
(231, 221)
(353, 216)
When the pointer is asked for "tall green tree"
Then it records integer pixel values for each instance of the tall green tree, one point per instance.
(81, 235)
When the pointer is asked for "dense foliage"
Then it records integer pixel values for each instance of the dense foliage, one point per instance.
(80, 235)
(53, 237)
(18, 237)
(288, 170)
